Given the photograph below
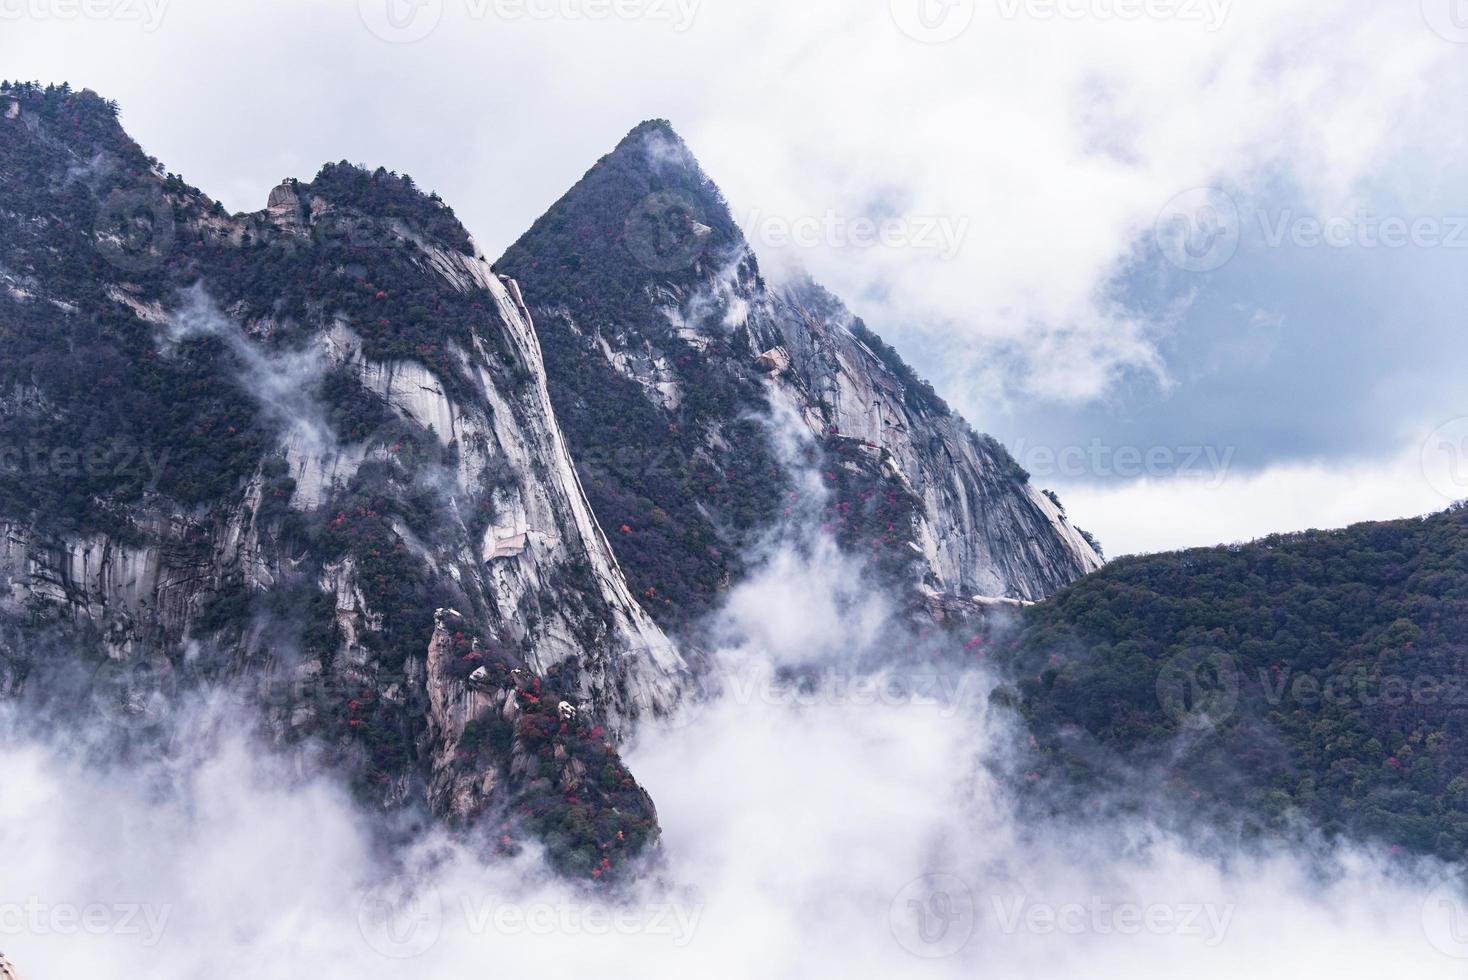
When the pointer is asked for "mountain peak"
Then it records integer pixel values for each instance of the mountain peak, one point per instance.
(654, 145)
(647, 127)
(645, 210)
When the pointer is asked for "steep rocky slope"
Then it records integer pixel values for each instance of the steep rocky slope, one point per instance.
(320, 458)
(259, 451)
(665, 346)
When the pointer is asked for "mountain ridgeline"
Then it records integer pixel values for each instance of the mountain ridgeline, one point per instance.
(324, 458)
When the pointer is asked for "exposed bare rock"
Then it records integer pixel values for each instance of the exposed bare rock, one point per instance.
(776, 360)
(985, 529)
(284, 206)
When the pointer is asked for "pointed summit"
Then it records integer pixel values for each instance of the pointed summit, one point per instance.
(658, 146)
(657, 128)
(645, 239)
(646, 211)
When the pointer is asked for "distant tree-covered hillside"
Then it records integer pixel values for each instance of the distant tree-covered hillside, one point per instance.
(1322, 674)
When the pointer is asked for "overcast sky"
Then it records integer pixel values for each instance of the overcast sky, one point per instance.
(1200, 263)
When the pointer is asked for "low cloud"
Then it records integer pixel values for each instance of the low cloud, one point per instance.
(284, 382)
(809, 829)
(809, 836)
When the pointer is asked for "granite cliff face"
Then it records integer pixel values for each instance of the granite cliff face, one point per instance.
(984, 529)
(324, 459)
